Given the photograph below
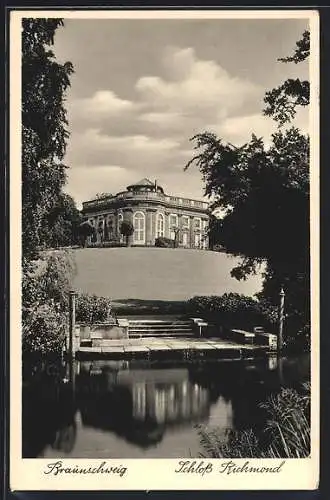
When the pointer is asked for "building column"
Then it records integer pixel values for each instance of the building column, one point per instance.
(180, 229)
(191, 231)
(167, 224)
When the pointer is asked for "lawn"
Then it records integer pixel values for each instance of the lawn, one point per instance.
(157, 274)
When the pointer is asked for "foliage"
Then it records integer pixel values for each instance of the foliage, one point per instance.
(44, 132)
(93, 309)
(60, 227)
(282, 102)
(45, 289)
(86, 229)
(101, 196)
(127, 229)
(233, 310)
(214, 232)
(263, 195)
(106, 244)
(286, 434)
(163, 242)
(44, 330)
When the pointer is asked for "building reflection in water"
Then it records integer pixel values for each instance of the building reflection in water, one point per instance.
(141, 402)
(173, 403)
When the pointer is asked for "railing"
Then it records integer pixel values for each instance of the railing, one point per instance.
(171, 200)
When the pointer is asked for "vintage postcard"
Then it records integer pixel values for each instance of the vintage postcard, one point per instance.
(164, 243)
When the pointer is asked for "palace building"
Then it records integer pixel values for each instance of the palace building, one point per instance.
(153, 213)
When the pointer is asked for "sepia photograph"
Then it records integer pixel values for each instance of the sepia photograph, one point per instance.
(167, 221)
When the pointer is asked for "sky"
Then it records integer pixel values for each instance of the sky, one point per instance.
(142, 88)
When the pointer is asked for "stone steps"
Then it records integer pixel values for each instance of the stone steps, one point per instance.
(159, 328)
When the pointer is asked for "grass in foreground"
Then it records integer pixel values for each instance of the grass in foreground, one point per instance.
(286, 434)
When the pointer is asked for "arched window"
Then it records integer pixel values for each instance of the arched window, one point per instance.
(160, 226)
(139, 228)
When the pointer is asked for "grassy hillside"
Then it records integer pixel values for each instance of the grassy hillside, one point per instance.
(158, 274)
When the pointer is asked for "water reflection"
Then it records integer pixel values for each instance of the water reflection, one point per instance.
(93, 407)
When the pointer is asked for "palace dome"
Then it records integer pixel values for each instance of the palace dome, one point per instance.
(145, 185)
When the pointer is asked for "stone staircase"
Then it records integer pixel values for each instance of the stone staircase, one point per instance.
(145, 328)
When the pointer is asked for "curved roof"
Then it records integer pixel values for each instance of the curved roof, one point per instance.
(144, 183)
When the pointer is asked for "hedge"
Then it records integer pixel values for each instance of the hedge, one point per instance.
(233, 310)
(164, 242)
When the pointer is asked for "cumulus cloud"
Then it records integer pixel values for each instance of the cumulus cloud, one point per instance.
(103, 103)
(150, 130)
(87, 181)
(239, 129)
(194, 86)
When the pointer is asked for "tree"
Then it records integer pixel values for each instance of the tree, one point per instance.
(60, 227)
(264, 196)
(176, 240)
(45, 282)
(282, 102)
(214, 231)
(101, 196)
(44, 132)
(127, 229)
(85, 230)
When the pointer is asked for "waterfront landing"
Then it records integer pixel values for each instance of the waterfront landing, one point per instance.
(169, 348)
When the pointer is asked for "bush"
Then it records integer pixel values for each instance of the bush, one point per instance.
(45, 293)
(233, 310)
(106, 244)
(44, 329)
(93, 309)
(164, 242)
(286, 434)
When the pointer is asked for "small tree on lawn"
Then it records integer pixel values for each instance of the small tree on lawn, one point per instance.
(86, 229)
(176, 236)
(127, 229)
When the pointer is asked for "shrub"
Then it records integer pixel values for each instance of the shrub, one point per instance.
(93, 309)
(45, 294)
(127, 229)
(285, 435)
(44, 329)
(164, 242)
(106, 244)
(233, 310)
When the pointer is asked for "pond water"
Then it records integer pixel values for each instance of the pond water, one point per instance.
(134, 409)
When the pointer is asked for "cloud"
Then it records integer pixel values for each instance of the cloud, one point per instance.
(147, 134)
(103, 103)
(137, 153)
(97, 138)
(85, 181)
(239, 129)
(194, 87)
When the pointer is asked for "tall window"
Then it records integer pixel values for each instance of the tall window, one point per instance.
(198, 224)
(185, 222)
(120, 220)
(185, 230)
(197, 240)
(160, 226)
(139, 227)
(173, 225)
